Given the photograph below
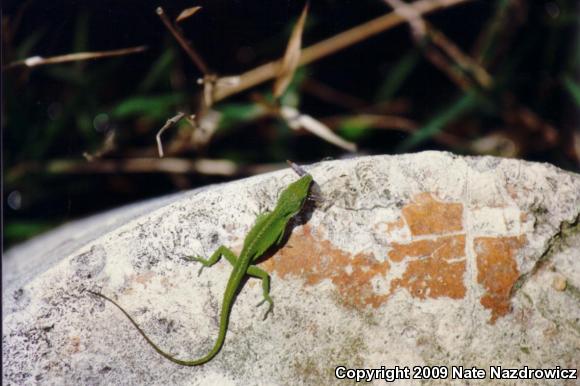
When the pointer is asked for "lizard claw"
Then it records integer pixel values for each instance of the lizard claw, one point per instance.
(268, 311)
(189, 258)
(199, 260)
(270, 307)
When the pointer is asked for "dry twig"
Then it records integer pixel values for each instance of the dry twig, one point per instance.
(441, 51)
(297, 120)
(467, 72)
(332, 95)
(197, 60)
(268, 71)
(290, 60)
(35, 61)
(334, 44)
(413, 17)
(186, 14)
(168, 124)
(216, 167)
(107, 146)
(464, 61)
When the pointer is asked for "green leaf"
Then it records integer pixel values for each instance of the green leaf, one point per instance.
(493, 29)
(24, 49)
(235, 113)
(573, 88)
(458, 108)
(398, 75)
(81, 34)
(153, 106)
(291, 96)
(355, 128)
(289, 62)
(159, 70)
(21, 230)
(64, 73)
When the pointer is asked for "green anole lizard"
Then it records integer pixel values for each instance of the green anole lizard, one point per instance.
(267, 232)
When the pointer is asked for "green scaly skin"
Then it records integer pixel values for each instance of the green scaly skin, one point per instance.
(268, 231)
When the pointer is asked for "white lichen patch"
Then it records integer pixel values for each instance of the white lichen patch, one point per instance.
(496, 221)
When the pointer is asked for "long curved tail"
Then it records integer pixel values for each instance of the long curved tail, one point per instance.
(196, 362)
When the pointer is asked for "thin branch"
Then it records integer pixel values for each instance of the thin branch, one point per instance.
(291, 57)
(373, 121)
(332, 95)
(296, 120)
(36, 61)
(107, 147)
(11, 25)
(467, 72)
(399, 106)
(217, 167)
(453, 72)
(498, 35)
(197, 60)
(463, 60)
(336, 43)
(450, 59)
(412, 16)
(168, 124)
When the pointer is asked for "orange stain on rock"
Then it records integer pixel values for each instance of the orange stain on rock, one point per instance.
(427, 216)
(317, 260)
(435, 265)
(497, 271)
(75, 344)
(436, 268)
(444, 247)
(392, 227)
(144, 278)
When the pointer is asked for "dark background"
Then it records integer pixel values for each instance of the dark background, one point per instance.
(53, 114)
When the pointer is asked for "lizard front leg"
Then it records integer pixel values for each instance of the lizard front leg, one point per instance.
(215, 257)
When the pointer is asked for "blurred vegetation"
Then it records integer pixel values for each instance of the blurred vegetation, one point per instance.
(479, 77)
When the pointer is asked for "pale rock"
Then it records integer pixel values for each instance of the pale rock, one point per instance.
(411, 260)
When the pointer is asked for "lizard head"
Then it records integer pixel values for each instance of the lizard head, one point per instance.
(293, 197)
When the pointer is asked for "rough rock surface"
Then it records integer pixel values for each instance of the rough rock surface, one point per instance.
(424, 259)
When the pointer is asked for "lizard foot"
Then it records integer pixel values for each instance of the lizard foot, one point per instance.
(270, 306)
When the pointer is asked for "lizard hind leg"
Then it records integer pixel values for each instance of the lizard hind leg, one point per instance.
(263, 275)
